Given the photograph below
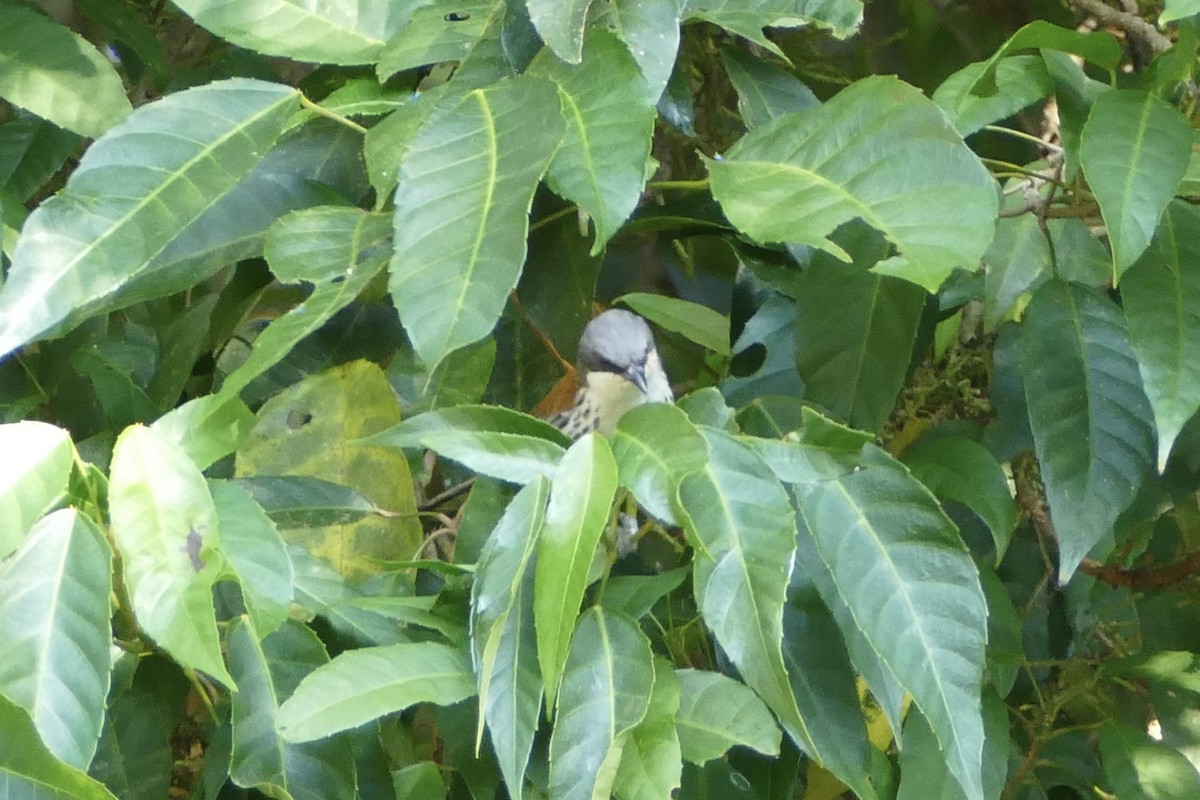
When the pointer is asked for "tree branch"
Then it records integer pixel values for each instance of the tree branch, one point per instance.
(1133, 25)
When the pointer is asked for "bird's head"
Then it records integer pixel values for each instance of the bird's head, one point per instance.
(620, 342)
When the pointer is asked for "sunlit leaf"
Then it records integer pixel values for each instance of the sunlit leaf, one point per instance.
(257, 555)
(717, 713)
(32, 484)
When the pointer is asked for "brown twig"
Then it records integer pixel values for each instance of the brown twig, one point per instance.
(539, 333)
(1133, 25)
(1158, 576)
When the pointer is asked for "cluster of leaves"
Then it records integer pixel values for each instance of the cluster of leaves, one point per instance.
(235, 328)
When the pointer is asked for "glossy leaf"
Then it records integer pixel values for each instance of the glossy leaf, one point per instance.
(28, 769)
(267, 673)
(257, 555)
(1019, 260)
(442, 30)
(1088, 412)
(651, 761)
(654, 446)
(747, 19)
(717, 712)
(560, 25)
(298, 501)
(320, 31)
(1161, 300)
(207, 428)
(1134, 152)
(695, 322)
(1021, 81)
(32, 484)
(798, 178)
(855, 332)
(879, 536)
(503, 641)
(650, 30)
(361, 685)
(601, 164)
(165, 528)
(964, 471)
(923, 773)
(81, 247)
(580, 499)
(606, 686)
(54, 618)
(466, 185)
(741, 523)
(57, 74)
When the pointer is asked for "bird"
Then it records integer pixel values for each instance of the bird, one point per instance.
(618, 367)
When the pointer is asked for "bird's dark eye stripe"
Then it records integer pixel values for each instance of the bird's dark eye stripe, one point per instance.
(608, 366)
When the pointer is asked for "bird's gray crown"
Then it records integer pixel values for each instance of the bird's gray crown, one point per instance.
(615, 341)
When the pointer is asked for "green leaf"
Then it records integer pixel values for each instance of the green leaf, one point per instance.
(635, 595)
(462, 206)
(268, 672)
(165, 528)
(361, 685)
(1134, 151)
(28, 769)
(654, 446)
(1020, 259)
(773, 329)
(54, 618)
(1020, 81)
(798, 178)
(650, 29)
(717, 713)
(606, 687)
(741, 523)
(964, 471)
(423, 779)
(923, 769)
(444, 30)
(651, 761)
(325, 31)
(257, 555)
(581, 496)
(133, 757)
(560, 25)
(57, 74)
(747, 18)
(1099, 48)
(601, 163)
(1161, 298)
(461, 378)
(880, 535)
(207, 428)
(34, 483)
(84, 245)
(1138, 766)
(765, 91)
(339, 250)
(693, 321)
(298, 501)
(855, 333)
(1088, 412)
(503, 642)
(1174, 10)
(31, 151)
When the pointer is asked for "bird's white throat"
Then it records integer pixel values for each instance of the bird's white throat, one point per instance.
(608, 396)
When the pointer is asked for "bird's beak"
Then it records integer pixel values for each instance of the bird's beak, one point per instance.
(637, 376)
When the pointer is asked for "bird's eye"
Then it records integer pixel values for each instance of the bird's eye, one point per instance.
(608, 366)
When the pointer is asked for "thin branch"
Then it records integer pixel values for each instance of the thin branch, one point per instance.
(1160, 576)
(539, 333)
(1133, 25)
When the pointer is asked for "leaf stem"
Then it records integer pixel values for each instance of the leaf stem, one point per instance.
(686, 186)
(1023, 135)
(320, 110)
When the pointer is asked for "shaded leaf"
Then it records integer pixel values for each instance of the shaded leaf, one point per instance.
(298, 501)
(1098, 47)
(775, 184)
(635, 595)
(651, 762)
(765, 91)
(443, 30)
(1088, 412)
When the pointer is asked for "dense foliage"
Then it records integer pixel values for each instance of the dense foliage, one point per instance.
(283, 281)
